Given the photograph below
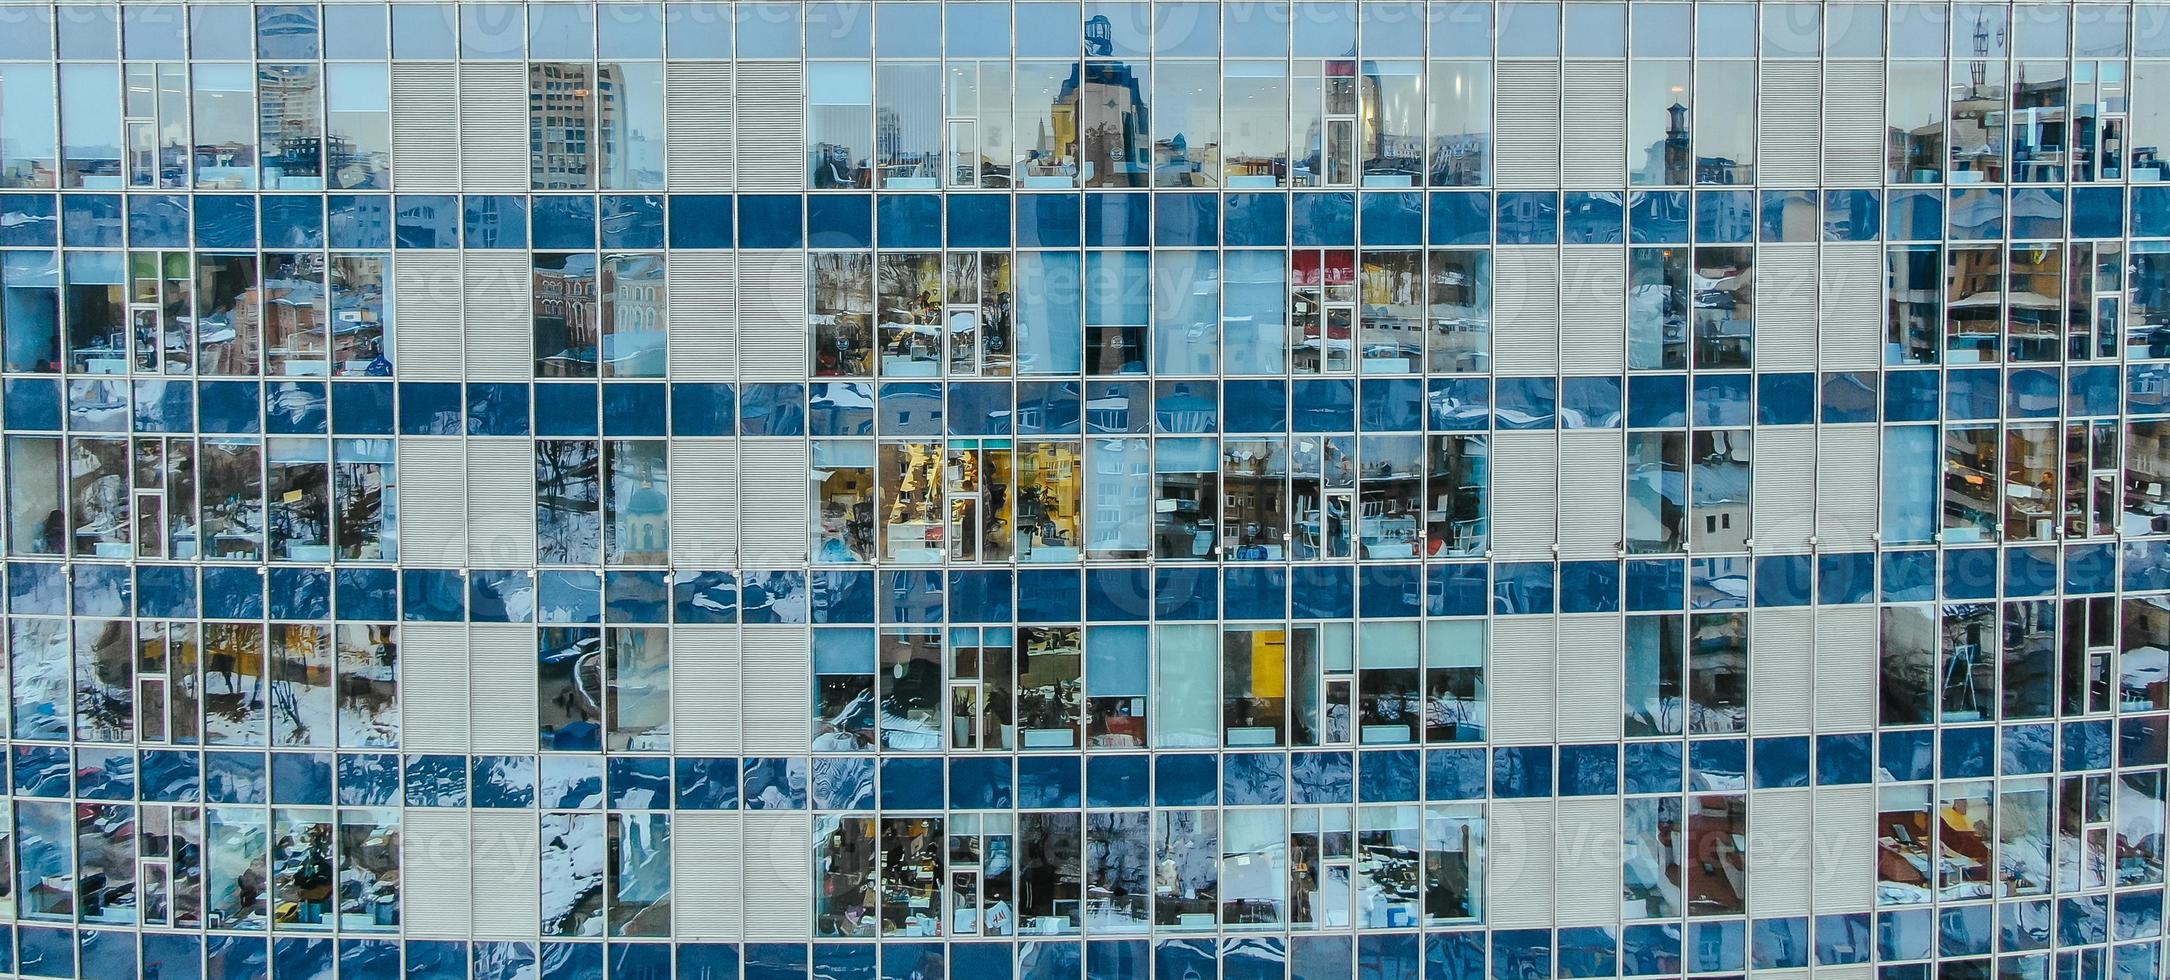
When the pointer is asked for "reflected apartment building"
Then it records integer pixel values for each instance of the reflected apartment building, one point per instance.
(1052, 489)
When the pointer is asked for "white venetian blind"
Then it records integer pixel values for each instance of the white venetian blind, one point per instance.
(433, 687)
(1853, 123)
(1843, 862)
(704, 316)
(776, 677)
(1594, 465)
(1846, 671)
(502, 694)
(1850, 306)
(435, 851)
(426, 336)
(779, 851)
(1527, 99)
(432, 501)
(1781, 672)
(1846, 486)
(500, 502)
(698, 116)
(704, 498)
(1781, 835)
(425, 137)
(1788, 137)
(1593, 134)
(773, 506)
(706, 718)
(493, 137)
(1593, 309)
(1525, 309)
(1783, 491)
(1518, 875)
(707, 894)
(1786, 306)
(1586, 861)
(1519, 681)
(1525, 493)
(499, 312)
(772, 325)
(1592, 671)
(771, 126)
(507, 879)
(1857, 971)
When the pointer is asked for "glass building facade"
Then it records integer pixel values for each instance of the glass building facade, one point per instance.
(903, 490)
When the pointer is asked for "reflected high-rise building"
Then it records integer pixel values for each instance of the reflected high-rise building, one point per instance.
(1017, 491)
